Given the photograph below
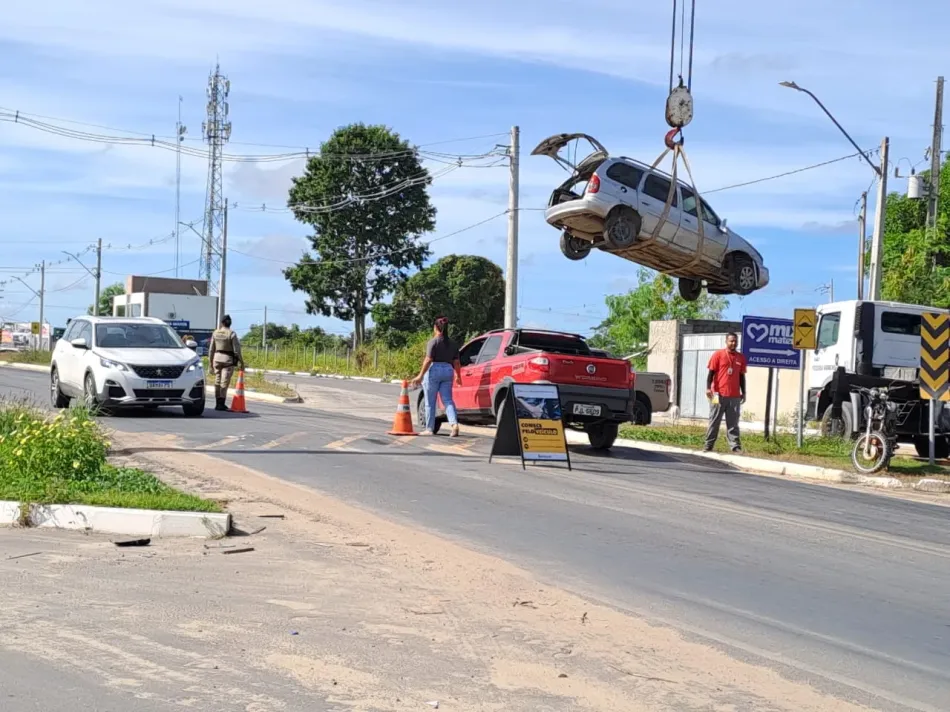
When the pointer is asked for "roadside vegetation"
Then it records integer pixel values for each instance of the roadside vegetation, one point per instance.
(833, 453)
(37, 357)
(61, 459)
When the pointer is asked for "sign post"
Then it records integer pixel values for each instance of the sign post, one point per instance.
(805, 338)
(767, 343)
(934, 372)
(531, 425)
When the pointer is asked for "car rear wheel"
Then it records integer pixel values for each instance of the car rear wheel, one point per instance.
(742, 275)
(602, 435)
(622, 228)
(574, 248)
(690, 289)
(642, 414)
(56, 396)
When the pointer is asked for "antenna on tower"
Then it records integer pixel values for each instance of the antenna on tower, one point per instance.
(216, 130)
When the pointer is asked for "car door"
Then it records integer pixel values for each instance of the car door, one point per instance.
(63, 353)
(653, 196)
(714, 239)
(482, 372)
(464, 395)
(75, 358)
(717, 238)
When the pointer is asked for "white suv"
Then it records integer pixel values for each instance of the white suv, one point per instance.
(615, 204)
(118, 362)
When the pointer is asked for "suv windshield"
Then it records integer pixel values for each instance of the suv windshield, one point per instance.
(137, 336)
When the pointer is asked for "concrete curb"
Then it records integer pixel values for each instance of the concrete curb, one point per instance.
(112, 520)
(786, 469)
(249, 394)
(337, 376)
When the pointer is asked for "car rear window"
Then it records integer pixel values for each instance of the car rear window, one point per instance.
(625, 175)
(553, 343)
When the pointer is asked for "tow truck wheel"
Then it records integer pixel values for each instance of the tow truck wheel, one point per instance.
(838, 428)
(690, 289)
(941, 447)
(602, 435)
(574, 248)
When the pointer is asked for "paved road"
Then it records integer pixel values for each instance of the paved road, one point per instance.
(847, 589)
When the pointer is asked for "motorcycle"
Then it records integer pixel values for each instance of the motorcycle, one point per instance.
(874, 448)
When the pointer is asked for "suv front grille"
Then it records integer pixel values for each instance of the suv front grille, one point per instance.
(158, 372)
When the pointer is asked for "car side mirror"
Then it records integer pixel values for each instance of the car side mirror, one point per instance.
(510, 350)
(191, 344)
(79, 344)
(723, 225)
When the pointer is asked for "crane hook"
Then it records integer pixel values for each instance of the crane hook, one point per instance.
(670, 137)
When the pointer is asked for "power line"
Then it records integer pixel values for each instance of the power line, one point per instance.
(793, 172)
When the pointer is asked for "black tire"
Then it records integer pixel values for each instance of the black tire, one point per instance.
(843, 428)
(642, 412)
(193, 410)
(742, 274)
(880, 452)
(690, 289)
(622, 229)
(89, 397)
(602, 435)
(57, 398)
(421, 416)
(941, 447)
(574, 248)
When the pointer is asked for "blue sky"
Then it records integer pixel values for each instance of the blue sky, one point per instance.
(436, 71)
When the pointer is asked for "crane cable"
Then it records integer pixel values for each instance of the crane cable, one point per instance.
(679, 112)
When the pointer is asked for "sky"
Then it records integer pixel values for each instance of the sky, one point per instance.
(437, 73)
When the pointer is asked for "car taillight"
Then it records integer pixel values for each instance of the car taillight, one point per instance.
(593, 185)
(540, 363)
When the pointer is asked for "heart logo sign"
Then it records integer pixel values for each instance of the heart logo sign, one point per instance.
(757, 332)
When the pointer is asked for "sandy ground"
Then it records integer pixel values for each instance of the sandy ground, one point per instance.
(337, 607)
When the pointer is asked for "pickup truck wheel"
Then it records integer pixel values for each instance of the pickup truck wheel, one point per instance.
(574, 248)
(500, 408)
(690, 289)
(622, 228)
(602, 435)
(838, 428)
(642, 413)
(941, 447)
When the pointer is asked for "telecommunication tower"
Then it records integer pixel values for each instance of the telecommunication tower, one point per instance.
(217, 131)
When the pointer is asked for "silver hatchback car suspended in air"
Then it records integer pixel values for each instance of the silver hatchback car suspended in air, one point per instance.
(616, 204)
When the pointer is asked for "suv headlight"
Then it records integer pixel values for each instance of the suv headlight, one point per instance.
(109, 363)
(194, 366)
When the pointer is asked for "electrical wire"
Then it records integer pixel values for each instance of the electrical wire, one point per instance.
(790, 173)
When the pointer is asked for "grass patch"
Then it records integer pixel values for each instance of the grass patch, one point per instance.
(36, 357)
(834, 453)
(256, 381)
(62, 460)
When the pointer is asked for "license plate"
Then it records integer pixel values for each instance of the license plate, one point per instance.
(581, 409)
(160, 384)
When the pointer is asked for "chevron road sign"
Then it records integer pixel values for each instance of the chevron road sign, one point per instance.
(934, 353)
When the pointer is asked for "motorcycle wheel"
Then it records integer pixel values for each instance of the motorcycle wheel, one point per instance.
(877, 456)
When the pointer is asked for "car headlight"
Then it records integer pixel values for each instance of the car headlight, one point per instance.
(194, 366)
(109, 363)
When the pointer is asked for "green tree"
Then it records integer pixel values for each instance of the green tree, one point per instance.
(467, 289)
(105, 299)
(626, 329)
(365, 197)
(290, 336)
(916, 260)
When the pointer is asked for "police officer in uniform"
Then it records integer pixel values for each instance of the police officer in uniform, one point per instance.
(224, 355)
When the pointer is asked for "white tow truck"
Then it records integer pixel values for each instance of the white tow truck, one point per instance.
(876, 343)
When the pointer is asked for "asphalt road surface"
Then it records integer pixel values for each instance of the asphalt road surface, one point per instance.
(847, 589)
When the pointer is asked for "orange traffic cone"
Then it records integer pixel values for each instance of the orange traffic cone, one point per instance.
(238, 405)
(402, 423)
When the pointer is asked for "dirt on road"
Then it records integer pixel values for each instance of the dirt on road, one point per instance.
(336, 608)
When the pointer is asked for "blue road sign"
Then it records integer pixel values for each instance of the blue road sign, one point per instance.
(768, 342)
(178, 323)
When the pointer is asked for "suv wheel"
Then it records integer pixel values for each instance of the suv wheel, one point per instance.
(602, 435)
(742, 275)
(89, 397)
(690, 289)
(622, 229)
(574, 248)
(194, 410)
(56, 396)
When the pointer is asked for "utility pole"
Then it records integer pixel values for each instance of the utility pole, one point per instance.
(862, 242)
(42, 298)
(180, 132)
(511, 271)
(877, 238)
(224, 263)
(95, 304)
(264, 330)
(935, 156)
(217, 131)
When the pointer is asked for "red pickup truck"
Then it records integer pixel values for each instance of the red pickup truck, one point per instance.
(597, 393)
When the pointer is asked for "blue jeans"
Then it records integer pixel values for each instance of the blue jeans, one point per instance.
(438, 382)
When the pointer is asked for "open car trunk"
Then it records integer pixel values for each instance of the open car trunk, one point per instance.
(581, 171)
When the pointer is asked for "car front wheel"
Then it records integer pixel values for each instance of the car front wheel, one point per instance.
(742, 275)
(194, 410)
(57, 398)
(89, 397)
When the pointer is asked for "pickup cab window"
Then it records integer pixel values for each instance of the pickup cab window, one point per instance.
(828, 330)
(470, 351)
(490, 349)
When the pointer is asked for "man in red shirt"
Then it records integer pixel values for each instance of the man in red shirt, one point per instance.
(726, 379)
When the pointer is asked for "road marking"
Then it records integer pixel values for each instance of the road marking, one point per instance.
(450, 449)
(402, 441)
(343, 442)
(282, 440)
(224, 441)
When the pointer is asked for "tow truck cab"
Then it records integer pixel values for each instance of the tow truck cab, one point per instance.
(876, 340)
